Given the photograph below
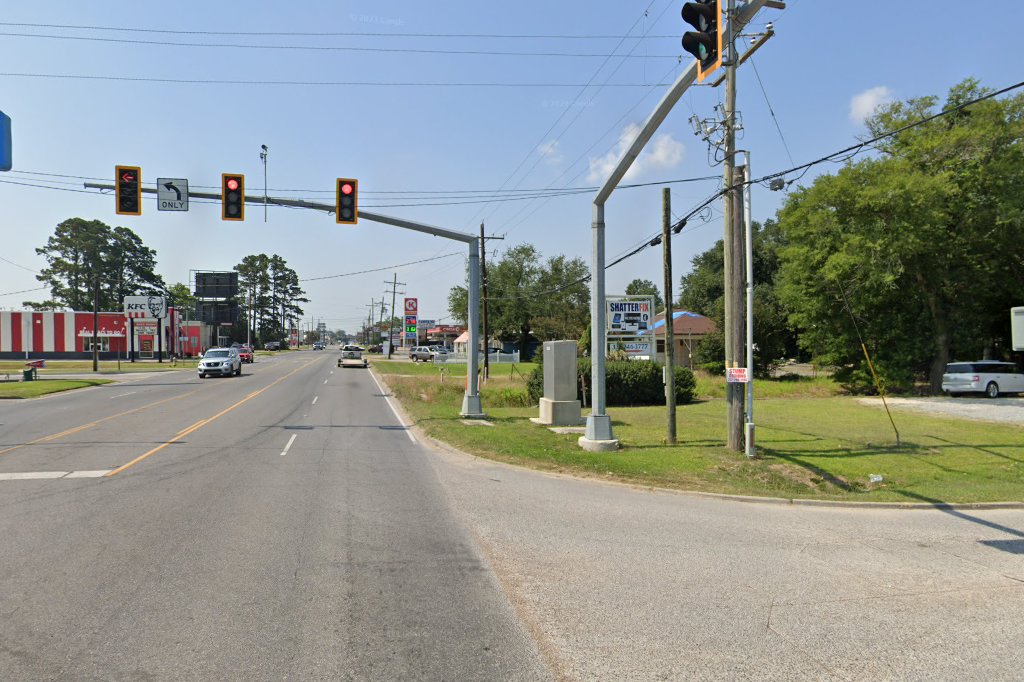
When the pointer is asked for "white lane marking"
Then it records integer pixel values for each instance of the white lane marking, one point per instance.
(325, 381)
(31, 475)
(394, 411)
(332, 371)
(288, 447)
(88, 474)
(121, 395)
(315, 398)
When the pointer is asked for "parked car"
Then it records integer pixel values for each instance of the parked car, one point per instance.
(246, 354)
(272, 345)
(423, 353)
(438, 350)
(990, 377)
(352, 356)
(379, 348)
(222, 361)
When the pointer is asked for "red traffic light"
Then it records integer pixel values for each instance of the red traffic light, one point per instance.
(346, 188)
(232, 184)
(346, 202)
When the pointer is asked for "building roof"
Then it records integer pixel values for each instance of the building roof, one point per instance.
(685, 322)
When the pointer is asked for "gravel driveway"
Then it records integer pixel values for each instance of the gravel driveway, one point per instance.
(1002, 410)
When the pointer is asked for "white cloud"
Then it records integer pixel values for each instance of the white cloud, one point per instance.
(551, 152)
(663, 152)
(863, 104)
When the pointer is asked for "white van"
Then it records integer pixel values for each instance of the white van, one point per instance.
(990, 377)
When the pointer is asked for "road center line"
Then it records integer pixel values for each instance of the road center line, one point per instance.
(289, 446)
(203, 422)
(76, 429)
(315, 398)
(122, 395)
(325, 381)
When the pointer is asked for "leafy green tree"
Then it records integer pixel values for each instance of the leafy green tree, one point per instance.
(922, 246)
(645, 287)
(528, 297)
(702, 291)
(86, 260)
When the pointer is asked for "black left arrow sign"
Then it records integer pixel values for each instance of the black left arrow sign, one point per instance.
(174, 188)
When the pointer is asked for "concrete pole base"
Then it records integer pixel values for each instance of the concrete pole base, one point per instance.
(598, 445)
(471, 408)
(599, 427)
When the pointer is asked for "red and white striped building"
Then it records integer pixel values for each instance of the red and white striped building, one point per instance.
(67, 335)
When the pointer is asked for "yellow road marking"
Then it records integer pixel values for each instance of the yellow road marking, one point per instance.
(76, 429)
(203, 422)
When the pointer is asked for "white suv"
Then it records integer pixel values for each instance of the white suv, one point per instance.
(222, 361)
(990, 377)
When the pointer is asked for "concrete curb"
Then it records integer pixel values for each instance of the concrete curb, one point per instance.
(725, 497)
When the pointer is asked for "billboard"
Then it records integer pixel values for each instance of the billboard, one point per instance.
(628, 316)
(217, 284)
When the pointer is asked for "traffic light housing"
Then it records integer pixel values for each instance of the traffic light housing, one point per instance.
(346, 205)
(128, 187)
(706, 42)
(232, 196)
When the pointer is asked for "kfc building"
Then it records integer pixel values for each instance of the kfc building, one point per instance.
(69, 335)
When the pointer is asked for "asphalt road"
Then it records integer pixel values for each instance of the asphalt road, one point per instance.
(352, 552)
(297, 533)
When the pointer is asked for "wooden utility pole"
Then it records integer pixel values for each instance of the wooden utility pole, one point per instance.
(733, 250)
(483, 284)
(670, 366)
(391, 320)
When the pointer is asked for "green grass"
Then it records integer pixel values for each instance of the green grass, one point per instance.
(809, 446)
(34, 389)
(455, 369)
(14, 367)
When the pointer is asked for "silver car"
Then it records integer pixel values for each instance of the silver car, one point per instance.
(222, 361)
(990, 377)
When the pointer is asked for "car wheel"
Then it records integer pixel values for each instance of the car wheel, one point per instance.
(202, 376)
(238, 372)
(992, 390)
(953, 394)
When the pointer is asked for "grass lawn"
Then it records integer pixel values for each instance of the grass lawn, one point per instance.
(14, 367)
(813, 442)
(33, 389)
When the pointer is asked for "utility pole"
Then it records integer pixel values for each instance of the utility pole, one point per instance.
(732, 252)
(95, 323)
(670, 345)
(380, 323)
(483, 282)
(391, 321)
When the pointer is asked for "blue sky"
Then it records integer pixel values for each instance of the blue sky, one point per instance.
(826, 67)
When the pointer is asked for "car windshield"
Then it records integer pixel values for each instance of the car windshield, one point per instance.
(216, 354)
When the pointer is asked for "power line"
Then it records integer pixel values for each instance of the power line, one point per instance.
(331, 34)
(24, 291)
(772, 111)
(386, 84)
(328, 48)
(388, 267)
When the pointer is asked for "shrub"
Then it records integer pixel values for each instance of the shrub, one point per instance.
(627, 383)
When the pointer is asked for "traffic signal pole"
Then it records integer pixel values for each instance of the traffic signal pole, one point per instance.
(471, 406)
(598, 434)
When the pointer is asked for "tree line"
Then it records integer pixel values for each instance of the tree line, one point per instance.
(89, 262)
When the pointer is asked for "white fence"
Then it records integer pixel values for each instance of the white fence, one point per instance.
(493, 358)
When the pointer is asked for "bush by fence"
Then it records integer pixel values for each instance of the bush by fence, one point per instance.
(630, 383)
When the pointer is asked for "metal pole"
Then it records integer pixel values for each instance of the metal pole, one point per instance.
(483, 281)
(670, 376)
(599, 424)
(96, 324)
(471, 406)
(749, 427)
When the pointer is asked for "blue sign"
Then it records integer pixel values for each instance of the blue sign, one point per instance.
(5, 142)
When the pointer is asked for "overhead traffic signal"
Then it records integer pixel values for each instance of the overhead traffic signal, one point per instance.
(706, 42)
(232, 196)
(346, 205)
(128, 187)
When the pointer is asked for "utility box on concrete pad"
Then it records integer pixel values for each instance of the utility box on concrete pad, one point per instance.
(559, 406)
